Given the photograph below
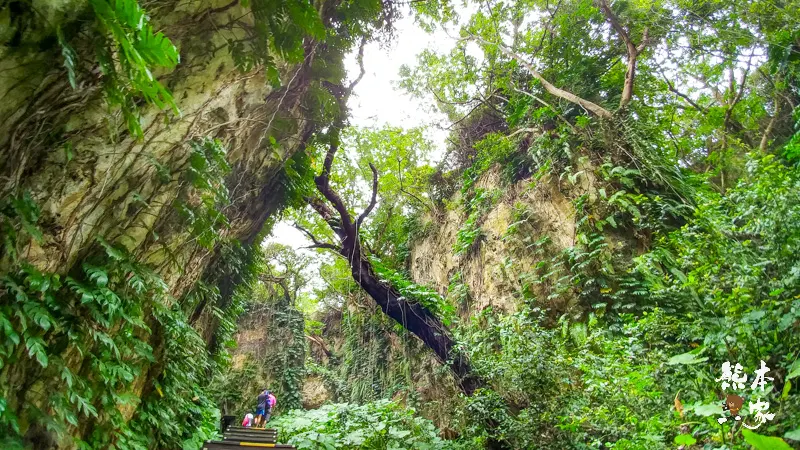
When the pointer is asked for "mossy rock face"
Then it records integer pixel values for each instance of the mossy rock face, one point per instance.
(91, 179)
(550, 214)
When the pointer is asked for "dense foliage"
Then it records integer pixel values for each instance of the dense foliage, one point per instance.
(621, 179)
(115, 344)
(682, 196)
(377, 425)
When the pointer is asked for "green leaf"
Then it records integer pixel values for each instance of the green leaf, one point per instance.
(761, 442)
(686, 358)
(794, 371)
(96, 274)
(685, 439)
(786, 388)
(793, 435)
(678, 274)
(398, 434)
(111, 250)
(67, 376)
(776, 292)
(70, 57)
(705, 410)
(71, 418)
(36, 347)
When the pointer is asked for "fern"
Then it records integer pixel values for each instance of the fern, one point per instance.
(206, 173)
(124, 30)
(70, 58)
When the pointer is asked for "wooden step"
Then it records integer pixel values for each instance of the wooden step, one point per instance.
(227, 445)
(260, 433)
(259, 430)
(249, 438)
(254, 435)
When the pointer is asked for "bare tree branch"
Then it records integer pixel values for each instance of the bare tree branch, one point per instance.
(738, 97)
(688, 99)
(549, 87)
(280, 281)
(413, 196)
(323, 186)
(317, 243)
(323, 180)
(762, 147)
(360, 60)
(632, 49)
(374, 198)
(324, 245)
(321, 345)
(614, 21)
(563, 119)
(778, 91)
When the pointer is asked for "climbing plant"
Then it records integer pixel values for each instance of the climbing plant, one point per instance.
(128, 51)
(90, 330)
(203, 201)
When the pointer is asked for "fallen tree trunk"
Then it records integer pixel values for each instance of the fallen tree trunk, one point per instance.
(413, 316)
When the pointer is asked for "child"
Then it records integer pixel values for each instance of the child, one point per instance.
(248, 420)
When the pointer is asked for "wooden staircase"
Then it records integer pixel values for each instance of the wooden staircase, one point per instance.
(238, 437)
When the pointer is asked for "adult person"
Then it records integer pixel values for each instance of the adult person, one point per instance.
(266, 401)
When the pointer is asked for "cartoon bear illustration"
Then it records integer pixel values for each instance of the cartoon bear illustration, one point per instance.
(733, 403)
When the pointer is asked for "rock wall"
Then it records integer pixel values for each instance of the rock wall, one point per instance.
(75, 157)
(260, 360)
(124, 189)
(542, 205)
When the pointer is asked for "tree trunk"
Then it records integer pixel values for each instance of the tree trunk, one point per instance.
(418, 320)
(413, 316)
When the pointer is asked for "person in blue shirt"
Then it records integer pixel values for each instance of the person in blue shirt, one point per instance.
(266, 401)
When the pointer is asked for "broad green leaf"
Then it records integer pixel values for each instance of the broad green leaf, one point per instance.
(685, 439)
(761, 442)
(794, 371)
(37, 348)
(686, 358)
(678, 274)
(705, 410)
(793, 435)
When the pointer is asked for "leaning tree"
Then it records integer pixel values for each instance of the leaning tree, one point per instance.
(413, 316)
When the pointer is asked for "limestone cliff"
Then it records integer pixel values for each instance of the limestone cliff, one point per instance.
(111, 184)
(71, 155)
(541, 205)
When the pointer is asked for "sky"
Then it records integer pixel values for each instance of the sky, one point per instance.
(377, 101)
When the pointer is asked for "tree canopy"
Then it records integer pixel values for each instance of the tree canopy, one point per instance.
(607, 240)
